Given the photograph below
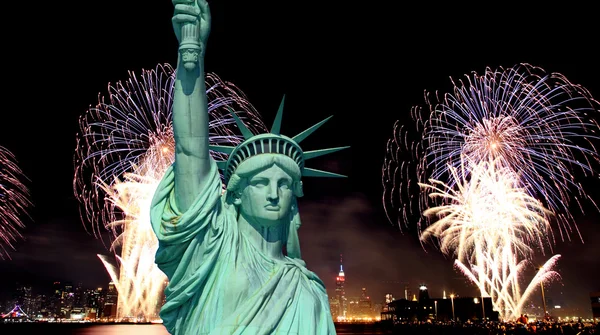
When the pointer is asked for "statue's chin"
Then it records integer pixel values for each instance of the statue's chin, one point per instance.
(268, 219)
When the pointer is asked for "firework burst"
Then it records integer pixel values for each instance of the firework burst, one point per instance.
(125, 146)
(14, 202)
(486, 210)
(491, 224)
(530, 121)
(484, 170)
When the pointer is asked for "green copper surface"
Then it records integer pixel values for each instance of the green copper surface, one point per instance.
(232, 257)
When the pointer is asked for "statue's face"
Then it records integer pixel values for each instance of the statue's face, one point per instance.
(267, 198)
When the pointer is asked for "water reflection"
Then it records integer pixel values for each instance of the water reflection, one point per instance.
(82, 329)
(123, 330)
(137, 329)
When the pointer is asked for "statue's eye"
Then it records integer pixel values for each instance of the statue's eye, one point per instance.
(285, 184)
(259, 182)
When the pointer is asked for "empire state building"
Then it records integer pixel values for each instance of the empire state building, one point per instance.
(340, 293)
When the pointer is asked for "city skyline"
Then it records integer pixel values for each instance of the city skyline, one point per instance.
(397, 289)
(336, 70)
(66, 297)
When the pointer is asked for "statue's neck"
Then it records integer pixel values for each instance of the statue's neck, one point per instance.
(269, 240)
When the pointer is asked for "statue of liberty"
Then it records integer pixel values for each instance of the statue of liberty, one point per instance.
(232, 256)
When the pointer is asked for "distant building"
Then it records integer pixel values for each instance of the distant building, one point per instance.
(334, 307)
(378, 308)
(67, 298)
(423, 293)
(365, 307)
(78, 301)
(386, 301)
(352, 306)
(595, 300)
(109, 310)
(95, 303)
(340, 292)
(427, 308)
(77, 313)
(24, 299)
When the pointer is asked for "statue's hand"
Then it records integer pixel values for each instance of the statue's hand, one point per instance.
(191, 22)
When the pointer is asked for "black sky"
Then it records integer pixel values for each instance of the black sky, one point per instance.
(365, 63)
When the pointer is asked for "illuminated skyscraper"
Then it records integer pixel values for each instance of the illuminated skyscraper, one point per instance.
(365, 307)
(340, 293)
(110, 303)
(388, 299)
(423, 293)
(334, 307)
(24, 299)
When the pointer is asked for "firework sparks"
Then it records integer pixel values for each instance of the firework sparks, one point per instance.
(124, 149)
(486, 210)
(136, 122)
(501, 283)
(537, 123)
(490, 223)
(469, 146)
(14, 202)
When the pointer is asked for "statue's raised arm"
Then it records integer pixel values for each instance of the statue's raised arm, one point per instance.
(232, 257)
(191, 23)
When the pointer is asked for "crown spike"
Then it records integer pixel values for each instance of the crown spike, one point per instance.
(308, 172)
(321, 152)
(276, 128)
(245, 131)
(300, 137)
(221, 148)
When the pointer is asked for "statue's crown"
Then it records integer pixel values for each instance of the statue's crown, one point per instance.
(272, 142)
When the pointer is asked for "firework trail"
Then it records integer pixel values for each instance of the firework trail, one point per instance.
(537, 123)
(501, 283)
(14, 202)
(125, 146)
(136, 123)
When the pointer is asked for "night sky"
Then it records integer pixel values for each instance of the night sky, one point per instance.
(365, 63)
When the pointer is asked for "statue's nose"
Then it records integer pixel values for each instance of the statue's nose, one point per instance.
(272, 195)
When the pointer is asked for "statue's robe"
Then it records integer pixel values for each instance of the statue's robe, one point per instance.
(219, 283)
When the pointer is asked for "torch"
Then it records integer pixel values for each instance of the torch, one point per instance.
(189, 47)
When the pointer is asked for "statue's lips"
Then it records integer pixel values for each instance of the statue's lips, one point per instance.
(272, 208)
